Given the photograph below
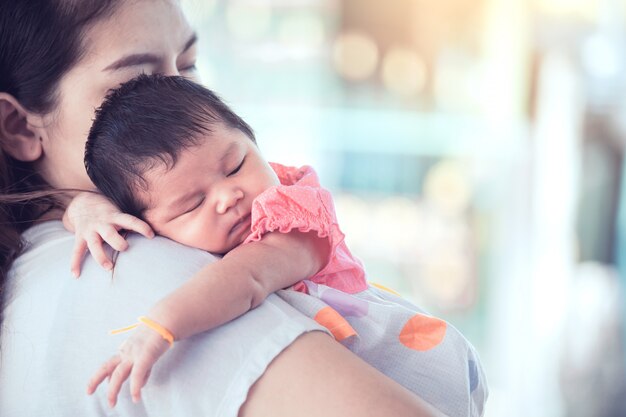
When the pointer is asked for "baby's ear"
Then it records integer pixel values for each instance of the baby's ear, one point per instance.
(20, 130)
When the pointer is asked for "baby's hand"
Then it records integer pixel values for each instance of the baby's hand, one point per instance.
(94, 220)
(135, 359)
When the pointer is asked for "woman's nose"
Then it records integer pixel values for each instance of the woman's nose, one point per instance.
(170, 70)
(227, 199)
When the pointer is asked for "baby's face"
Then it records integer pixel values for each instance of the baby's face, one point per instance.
(205, 200)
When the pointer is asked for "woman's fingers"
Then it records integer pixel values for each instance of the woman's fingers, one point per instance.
(128, 222)
(101, 374)
(119, 375)
(80, 248)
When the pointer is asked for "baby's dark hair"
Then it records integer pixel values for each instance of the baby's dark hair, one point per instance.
(147, 121)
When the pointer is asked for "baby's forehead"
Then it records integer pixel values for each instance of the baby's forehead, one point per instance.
(166, 176)
(145, 189)
(208, 151)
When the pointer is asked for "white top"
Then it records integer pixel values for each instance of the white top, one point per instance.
(55, 333)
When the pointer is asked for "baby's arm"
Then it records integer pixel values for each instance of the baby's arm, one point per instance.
(241, 281)
(220, 292)
(94, 219)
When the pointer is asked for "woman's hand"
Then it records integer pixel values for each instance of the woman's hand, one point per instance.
(135, 359)
(94, 219)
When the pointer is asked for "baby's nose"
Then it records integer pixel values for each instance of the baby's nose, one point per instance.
(227, 200)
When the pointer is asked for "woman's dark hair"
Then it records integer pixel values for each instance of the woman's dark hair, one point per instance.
(149, 120)
(40, 41)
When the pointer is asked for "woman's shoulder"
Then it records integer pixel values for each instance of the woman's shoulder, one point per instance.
(50, 244)
(52, 233)
(148, 270)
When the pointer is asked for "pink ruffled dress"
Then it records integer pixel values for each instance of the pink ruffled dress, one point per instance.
(425, 354)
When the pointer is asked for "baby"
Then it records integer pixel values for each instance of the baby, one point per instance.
(170, 152)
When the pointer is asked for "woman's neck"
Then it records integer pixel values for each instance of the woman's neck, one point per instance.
(53, 214)
(56, 210)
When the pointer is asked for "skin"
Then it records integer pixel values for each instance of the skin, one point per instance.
(142, 37)
(211, 188)
(330, 382)
(158, 31)
(205, 200)
(54, 143)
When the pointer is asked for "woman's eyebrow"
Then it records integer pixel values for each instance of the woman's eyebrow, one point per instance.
(132, 60)
(190, 42)
(141, 59)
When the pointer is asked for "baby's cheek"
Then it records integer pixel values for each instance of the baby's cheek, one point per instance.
(202, 236)
(179, 233)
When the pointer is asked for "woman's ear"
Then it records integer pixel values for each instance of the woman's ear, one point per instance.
(19, 137)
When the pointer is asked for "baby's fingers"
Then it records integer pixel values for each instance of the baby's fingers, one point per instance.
(138, 378)
(128, 222)
(119, 375)
(80, 248)
(105, 371)
(94, 241)
(111, 236)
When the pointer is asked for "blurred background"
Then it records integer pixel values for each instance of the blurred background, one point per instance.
(475, 150)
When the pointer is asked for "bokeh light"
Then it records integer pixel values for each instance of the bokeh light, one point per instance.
(446, 276)
(355, 55)
(447, 186)
(403, 72)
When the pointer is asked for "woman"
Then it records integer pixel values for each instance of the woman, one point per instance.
(57, 60)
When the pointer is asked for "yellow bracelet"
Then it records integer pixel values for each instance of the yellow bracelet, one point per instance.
(165, 334)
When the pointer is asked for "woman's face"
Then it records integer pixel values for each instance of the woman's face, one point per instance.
(149, 36)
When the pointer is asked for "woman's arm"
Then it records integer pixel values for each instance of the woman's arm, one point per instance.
(318, 377)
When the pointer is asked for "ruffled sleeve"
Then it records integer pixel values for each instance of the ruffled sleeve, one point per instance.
(300, 203)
